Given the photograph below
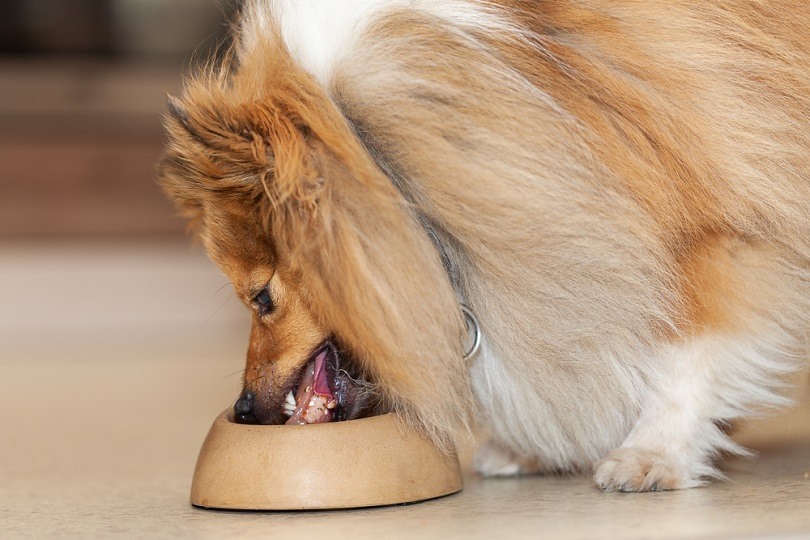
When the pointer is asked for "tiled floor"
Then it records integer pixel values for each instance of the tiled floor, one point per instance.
(116, 356)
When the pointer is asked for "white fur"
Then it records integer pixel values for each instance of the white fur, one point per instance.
(319, 33)
(703, 385)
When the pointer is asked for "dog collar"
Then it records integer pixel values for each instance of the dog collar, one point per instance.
(473, 331)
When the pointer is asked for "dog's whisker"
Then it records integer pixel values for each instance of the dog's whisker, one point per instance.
(232, 374)
(220, 289)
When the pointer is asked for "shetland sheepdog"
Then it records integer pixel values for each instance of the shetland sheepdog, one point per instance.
(618, 191)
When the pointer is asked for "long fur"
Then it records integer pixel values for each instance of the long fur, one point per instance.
(619, 190)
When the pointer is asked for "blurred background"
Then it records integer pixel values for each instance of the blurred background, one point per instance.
(82, 87)
(119, 340)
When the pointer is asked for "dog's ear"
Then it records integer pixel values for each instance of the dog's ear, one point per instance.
(242, 147)
(205, 121)
(212, 156)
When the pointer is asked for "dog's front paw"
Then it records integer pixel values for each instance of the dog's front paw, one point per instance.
(639, 469)
(493, 460)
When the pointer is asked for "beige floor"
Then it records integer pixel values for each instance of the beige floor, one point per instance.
(115, 358)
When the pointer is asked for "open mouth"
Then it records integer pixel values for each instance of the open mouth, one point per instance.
(326, 392)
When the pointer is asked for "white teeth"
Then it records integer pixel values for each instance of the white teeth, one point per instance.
(289, 404)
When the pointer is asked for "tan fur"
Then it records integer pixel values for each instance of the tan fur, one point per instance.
(620, 190)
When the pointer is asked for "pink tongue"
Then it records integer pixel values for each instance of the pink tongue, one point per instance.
(321, 384)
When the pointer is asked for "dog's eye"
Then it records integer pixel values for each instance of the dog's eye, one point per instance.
(263, 302)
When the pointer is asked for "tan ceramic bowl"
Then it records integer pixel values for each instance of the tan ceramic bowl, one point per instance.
(368, 462)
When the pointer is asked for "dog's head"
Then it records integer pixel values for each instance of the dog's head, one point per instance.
(318, 243)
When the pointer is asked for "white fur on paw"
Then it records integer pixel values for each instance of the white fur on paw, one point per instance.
(493, 460)
(638, 469)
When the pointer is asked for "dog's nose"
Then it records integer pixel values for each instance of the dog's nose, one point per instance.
(243, 409)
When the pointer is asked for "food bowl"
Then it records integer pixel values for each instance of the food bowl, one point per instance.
(371, 461)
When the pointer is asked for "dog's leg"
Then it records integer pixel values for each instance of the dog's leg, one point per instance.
(679, 433)
(493, 459)
(747, 324)
(675, 437)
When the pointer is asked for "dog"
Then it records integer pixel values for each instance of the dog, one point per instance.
(619, 192)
